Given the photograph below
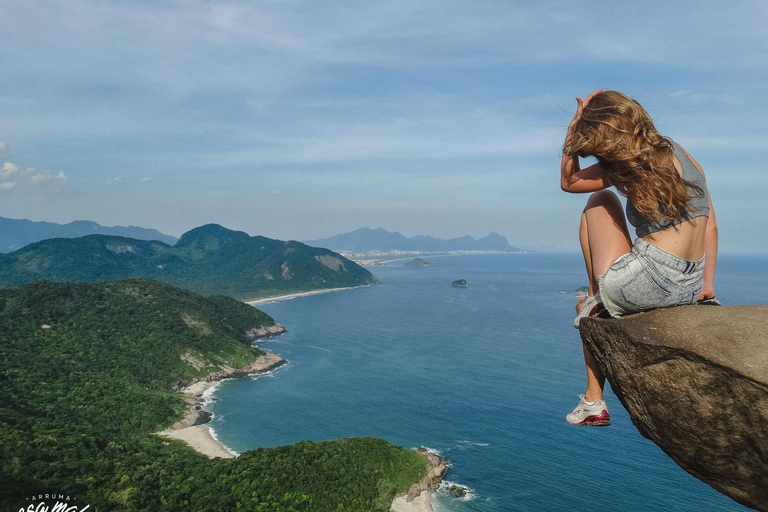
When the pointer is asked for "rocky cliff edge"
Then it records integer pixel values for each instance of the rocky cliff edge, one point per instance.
(694, 380)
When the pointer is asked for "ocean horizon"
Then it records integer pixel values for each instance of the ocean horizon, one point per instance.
(483, 375)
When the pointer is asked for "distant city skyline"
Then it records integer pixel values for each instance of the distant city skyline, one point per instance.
(298, 120)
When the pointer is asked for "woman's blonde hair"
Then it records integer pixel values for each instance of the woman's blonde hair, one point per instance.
(637, 160)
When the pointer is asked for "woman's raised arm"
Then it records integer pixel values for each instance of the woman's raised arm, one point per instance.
(572, 178)
(578, 181)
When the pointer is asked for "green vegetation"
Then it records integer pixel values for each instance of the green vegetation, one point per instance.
(89, 371)
(459, 283)
(209, 259)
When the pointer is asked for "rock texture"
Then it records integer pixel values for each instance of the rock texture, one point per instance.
(265, 332)
(193, 394)
(694, 380)
(437, 467)
(262, 364)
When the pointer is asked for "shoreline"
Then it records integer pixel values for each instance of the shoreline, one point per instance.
(386, 259)
(419, 496)
(193, 428)
(422, 503)
(303, 294)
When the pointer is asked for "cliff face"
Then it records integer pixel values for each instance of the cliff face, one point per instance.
(694, 380)
(437, 467)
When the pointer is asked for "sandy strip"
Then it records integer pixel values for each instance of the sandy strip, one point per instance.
(200, 436)
(419, 504)
(302, 294)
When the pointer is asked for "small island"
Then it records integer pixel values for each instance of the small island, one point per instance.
(417, 262)
(459, 283)
(458, 491)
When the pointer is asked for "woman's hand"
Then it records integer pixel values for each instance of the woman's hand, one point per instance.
(707, 296)
(581, 105)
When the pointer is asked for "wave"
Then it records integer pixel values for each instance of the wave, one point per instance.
(318, 348)
(299, 345)
(465, 443)
(271, 373)
(430, 450)
(227, 448)
(208, 395)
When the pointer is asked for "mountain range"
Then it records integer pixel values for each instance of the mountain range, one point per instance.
(208, 259)
(366, 239)
(16, 233)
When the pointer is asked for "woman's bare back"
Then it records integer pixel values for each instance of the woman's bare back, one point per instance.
(685, 240)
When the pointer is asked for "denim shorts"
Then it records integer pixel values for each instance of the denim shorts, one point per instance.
(649, 278)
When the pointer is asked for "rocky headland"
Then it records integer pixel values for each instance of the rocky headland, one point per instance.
(694, 380)
(265, 332)
(437, 467)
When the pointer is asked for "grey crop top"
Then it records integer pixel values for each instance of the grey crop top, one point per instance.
(696, 200)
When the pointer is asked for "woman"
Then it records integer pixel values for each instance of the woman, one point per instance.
(667, 202)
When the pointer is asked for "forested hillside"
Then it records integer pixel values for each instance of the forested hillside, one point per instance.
(209, 259)
(89, 371)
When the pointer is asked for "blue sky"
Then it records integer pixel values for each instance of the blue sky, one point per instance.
(299, 120)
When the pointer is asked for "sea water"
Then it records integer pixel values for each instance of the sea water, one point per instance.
(484, 375)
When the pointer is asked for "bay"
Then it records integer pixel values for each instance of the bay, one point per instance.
(484, 375)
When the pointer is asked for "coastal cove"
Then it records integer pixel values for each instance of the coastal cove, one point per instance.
(192, 429)
(483, 375)
(110, 359)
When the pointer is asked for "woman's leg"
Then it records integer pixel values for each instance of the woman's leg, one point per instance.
(604, 238)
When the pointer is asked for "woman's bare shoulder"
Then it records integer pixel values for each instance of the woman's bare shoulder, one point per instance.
(698, 166)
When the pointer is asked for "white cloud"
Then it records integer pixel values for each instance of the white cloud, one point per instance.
(12, 175)
(145, 180)
(8, 170)
(58, 178)
(395, 87)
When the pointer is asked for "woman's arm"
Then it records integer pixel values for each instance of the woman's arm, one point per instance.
(710, 245)
(577, 181)
(710, 253)
(572, 178)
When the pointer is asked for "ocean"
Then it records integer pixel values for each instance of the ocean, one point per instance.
(483, 375)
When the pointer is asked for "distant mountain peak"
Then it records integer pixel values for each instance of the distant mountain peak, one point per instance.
(379, 239)
(18, 233)
(210, 231)
(207, 259)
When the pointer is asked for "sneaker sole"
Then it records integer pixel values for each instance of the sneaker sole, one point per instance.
(599, 420)
(595, 422)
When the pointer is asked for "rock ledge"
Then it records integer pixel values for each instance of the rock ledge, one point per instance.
(694, 380)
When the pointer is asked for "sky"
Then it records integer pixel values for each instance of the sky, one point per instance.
(301, 120)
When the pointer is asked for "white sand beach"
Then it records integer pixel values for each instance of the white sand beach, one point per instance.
(201, 439)
(419, 504)
(199, 436)
(302, 294)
